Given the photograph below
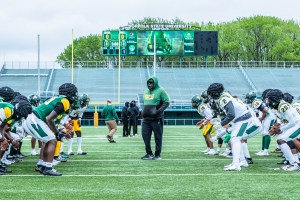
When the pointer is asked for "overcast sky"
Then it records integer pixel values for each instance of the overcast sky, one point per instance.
(22, 20)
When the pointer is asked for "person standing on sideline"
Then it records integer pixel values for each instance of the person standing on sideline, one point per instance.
(110, 117)
(156, 100)
(133, 113)
(125, 117)
(137, 116)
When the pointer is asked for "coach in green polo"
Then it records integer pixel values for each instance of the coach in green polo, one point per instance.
(156, 100)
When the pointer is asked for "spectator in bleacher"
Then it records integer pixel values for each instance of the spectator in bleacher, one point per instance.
(133, 113)
(110, 117)
(125, 119)
(156, 100)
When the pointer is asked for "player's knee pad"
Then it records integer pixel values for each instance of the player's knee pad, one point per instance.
(291, 144)
(220, 141)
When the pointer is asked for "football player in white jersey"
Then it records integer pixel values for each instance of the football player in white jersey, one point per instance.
(288, 129)
(267, 119)
(76, 115)
(204, 111)
(253, 129)
(238, 115)
(290, 99)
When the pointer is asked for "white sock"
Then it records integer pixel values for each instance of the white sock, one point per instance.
(40, 162)
(218, 149)
(79, 141)
(236, 149)
(5, 154)
(246, 150)
(48, 164)
(61, 147)
(287, 152)
(296, 157)
(70, 142)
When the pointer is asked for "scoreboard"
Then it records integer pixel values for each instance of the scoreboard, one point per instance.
(168, 43)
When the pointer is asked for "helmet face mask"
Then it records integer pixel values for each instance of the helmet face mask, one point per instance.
(287, 97)
(84, 100)
(196, 101)
(273, 98)
(205, 96)
(215, 90)
(34, 100)
(250, 97)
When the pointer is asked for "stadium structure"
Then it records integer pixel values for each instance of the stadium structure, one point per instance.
(182, 80)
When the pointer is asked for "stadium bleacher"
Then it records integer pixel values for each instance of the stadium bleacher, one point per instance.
(180, 83)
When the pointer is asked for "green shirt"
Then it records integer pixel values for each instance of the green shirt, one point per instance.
(109, 113)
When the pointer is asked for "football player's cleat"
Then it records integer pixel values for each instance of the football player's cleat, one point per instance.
(244, 164)
(51, 172)
(293, 167)
(233, 168)
(81, 153)
(263, 153)
(277, 150)
(39, 168)
(249, 160)
(147, 157)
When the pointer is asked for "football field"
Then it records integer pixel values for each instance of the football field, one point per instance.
(115, 171)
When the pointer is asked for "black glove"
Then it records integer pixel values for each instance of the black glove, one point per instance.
(60, 135)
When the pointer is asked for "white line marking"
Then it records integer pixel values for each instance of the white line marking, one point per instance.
(153, 175)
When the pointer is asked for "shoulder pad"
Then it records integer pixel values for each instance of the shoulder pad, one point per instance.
(283, 107)
(224, 99)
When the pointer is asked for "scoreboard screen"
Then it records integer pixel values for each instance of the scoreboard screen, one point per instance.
(141, 43)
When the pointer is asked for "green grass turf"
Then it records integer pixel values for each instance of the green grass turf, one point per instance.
(115, 171)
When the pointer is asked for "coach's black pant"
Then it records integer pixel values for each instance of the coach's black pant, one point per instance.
(157, 127)
(133, 124)
(125, 126)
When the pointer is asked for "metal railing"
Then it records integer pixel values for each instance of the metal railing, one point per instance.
(167, 122)
(144, 64)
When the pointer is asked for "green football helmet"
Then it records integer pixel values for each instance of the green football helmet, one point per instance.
(205, 96)
(84, 100)
(250, 96)
(196, 101)
(34, 100)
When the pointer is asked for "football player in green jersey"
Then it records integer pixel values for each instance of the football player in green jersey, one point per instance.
(41, 125)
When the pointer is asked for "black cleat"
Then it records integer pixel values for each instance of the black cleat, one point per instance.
(51, 172)
(249, 160)
(4, 170)
(39, 168)
(82, 153)
(284, 162)
(147, 157)
(112, 141)
(156, 158)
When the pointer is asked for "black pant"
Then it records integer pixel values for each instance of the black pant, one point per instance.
(125, 126)
(157, 127)
(133, 124)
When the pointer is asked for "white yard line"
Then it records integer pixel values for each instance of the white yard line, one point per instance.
(155, 175)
